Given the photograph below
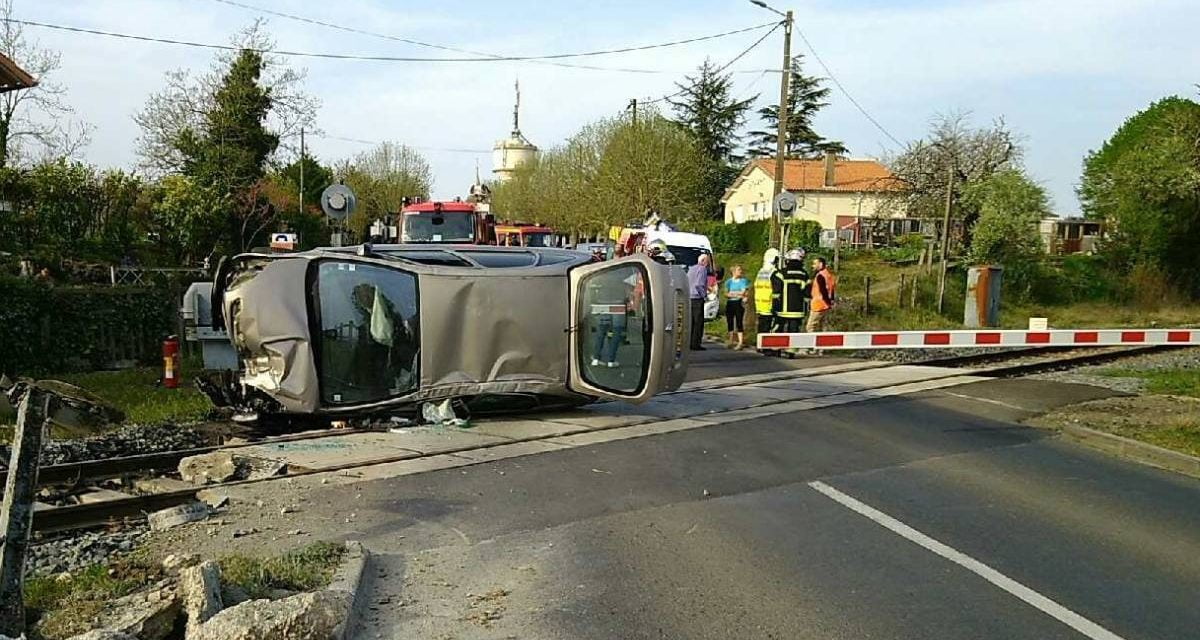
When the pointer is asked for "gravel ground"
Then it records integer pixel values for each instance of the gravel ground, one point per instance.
(78, 550)
(1173, 359)
(124, 441)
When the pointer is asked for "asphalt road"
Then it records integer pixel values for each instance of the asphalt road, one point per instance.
(925, 516)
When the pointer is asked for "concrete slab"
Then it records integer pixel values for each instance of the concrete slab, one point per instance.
(809, 388)
(926, 385)
(624, 433)
(700, 403)
(524, 429)
(764, 393)
(590, 418)
(513, 450)
(332, 451)
(886, 375)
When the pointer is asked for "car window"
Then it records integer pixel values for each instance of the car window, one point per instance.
(686, 256)
(502, 259)
(433, 257)
(370, 334)
(614, 335)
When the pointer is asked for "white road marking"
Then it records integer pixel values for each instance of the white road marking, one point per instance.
(999, 403)
(1031, 597)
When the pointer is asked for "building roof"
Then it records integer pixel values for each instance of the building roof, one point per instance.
(809, 175)
(13, 77)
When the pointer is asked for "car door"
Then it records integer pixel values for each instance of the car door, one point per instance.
(628, 329)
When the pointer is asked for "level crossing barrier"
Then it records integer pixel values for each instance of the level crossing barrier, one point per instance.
(978, 338)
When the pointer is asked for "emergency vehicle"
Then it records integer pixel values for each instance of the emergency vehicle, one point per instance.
(453, 222)
(523, 234)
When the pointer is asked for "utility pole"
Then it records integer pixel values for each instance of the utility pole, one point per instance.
(946, 235)
(633, 110)
(302, 170)
(781, 136)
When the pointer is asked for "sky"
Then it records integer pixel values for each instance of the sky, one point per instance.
(1064, 74)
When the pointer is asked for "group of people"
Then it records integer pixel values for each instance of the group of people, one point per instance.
(784, 295)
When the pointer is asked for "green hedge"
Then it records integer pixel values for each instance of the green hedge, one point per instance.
(49, 329)
(753, 237)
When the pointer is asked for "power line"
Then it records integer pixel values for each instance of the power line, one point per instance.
(344, 56)
(723, 67)
(430, 45)
(829, 72)
(417, 147)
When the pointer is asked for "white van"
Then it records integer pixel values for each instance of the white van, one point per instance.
(687, 249)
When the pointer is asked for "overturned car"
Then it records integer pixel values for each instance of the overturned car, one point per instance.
(385, 328)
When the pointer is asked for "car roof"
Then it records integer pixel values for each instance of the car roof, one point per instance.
(679, 238)
(465, 255)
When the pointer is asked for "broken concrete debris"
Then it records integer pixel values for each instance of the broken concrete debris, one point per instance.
(224, 466)
(307, 615)
(176, 562)
(104, 634)
(175, 516)
(147, 615)
(200, 586)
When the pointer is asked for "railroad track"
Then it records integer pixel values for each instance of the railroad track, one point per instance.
(1006, 364)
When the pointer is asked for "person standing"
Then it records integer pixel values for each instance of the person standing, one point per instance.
(736, 288)
(764, 295)
(824, 295)
(794, 291)
(697, 276)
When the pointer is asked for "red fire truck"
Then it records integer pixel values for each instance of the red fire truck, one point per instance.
(453, 222)
(523, 234)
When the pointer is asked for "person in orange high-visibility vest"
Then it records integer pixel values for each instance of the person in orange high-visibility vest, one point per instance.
(824, 288)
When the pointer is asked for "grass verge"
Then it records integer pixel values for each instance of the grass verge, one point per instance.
(1171, 422)
(1176, 382)
(305, 569)
(64, 607)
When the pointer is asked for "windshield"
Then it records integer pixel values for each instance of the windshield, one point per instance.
(370, 337)
(430, 226)
(537, 239)
(687, 256)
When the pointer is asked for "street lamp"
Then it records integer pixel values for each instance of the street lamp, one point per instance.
(781, 135)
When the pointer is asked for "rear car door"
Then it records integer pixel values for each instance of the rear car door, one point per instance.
(628, 330)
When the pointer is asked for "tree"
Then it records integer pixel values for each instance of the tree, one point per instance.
(37, 117)
(382, 178)
(316, 178)
(1145, 182)
(806, 97)
(609, 173)
(709, 110)
(953, 146)
(230, 148)
(1010, 206)
(283, 191)
(190, 218)
(186, 100)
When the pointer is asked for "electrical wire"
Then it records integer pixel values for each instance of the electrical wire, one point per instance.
(417, 147)
(346, 56)
(384, 36)
(723, 67)
(842, 88)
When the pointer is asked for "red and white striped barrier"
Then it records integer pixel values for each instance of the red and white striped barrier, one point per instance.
(977, 338)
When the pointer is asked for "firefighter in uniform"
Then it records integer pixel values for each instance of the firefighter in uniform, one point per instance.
(764, 292)
(794, 291)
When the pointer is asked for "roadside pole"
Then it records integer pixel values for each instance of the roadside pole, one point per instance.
(777, 238)
(16, 518)
(941, 303)
(301, 171)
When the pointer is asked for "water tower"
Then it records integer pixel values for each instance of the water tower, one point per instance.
(513, 150)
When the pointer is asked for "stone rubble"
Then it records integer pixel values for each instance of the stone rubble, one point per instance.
(129, 440)
(304, 616)
(80, 549)
(200, 586)
(226, 465)
(148, 615)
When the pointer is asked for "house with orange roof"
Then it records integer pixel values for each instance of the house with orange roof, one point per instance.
(836, 192)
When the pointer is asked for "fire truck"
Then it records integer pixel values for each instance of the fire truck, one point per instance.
(453, 222)
(523, 234)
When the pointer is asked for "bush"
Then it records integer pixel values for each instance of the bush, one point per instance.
(46, 328)
(725, 238)
(804, 233)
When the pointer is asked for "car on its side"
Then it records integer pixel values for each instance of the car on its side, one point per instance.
(383, 328)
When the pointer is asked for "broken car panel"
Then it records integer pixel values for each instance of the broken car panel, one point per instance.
(382, 328)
